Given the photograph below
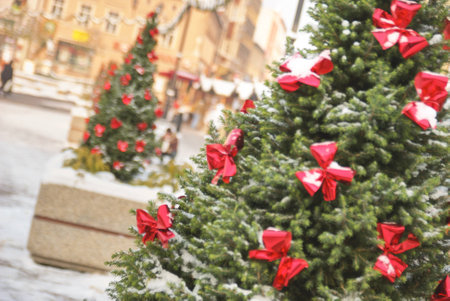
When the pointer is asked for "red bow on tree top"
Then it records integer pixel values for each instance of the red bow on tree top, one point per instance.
(387, 264)
(328, 175)
(155, 228)
(431, 88)
(221, 156)
(442, 291)
(304, 71)
(392, 28)
(277, 245)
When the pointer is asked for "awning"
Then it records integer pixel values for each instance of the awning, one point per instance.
(244, 89)
(183, 75)
(223, 87)
(205, 83)
(262, 90)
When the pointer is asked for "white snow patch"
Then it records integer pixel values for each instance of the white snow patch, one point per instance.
(79, 112)
(313, 177)
(235, 287)
(425, 112)
(387, 262)
(436, 39)
(335, 165)
(260, 298)
(55, 174)
(160, 284)
(439, 192)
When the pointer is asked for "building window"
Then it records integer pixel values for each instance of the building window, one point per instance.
(75, 57)
(111, 22)
(84, 15)
(167, 39)
(57, 8)
(230, 30)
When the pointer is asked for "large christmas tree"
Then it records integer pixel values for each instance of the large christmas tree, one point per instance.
(122, 128)
(381, 206)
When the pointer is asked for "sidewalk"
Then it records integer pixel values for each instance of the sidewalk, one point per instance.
(52, 104)
(190, 140)
(66, 89)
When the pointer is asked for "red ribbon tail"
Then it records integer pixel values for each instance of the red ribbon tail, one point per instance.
(216, 178)
(329, 189)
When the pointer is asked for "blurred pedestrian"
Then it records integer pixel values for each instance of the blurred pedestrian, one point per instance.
(6, 77)
(169, 146)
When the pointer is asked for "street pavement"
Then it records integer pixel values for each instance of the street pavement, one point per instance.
(32, 131)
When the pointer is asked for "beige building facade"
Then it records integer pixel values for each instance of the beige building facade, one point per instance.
(77, 38)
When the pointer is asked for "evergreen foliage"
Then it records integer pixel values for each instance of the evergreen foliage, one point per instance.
(126, 109)
(401, 174)
(86, 160)
(168, 174)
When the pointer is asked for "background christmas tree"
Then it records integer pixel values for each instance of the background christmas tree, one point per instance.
(126, 109)
(400, 174)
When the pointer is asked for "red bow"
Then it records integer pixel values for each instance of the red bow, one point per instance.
(129, 58)
(127, 98)
(432, 92)
(221, 156)
(431, 89)
(304, 71)
(122, 145)
(447, 32)
(147, 95)
(392, 28)
(139, 69)
(328, 175)
(125, 79)
(387, 264)
(248, 104)
(107, 86)
(112, 69)
(99, 130)
(115, 123)
(421, 114)
(155, 228)
(277, 245)
(442, 291)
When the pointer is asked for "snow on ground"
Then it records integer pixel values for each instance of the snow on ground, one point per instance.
(29, 137)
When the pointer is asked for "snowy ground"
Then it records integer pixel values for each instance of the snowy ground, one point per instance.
(29, 137)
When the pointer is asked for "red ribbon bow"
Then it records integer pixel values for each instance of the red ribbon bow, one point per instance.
(277, 245)
(447, 32)
(155, 228)
(387, 264)
(221, 156)
(442, 291)
(248, 104)
(392, 28)
(431, 89)
(99, 130)
(304, 71)
(328, 175)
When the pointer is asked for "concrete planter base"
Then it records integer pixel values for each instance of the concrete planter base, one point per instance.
(79, 222)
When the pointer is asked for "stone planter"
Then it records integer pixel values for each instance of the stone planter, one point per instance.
(80, 221)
